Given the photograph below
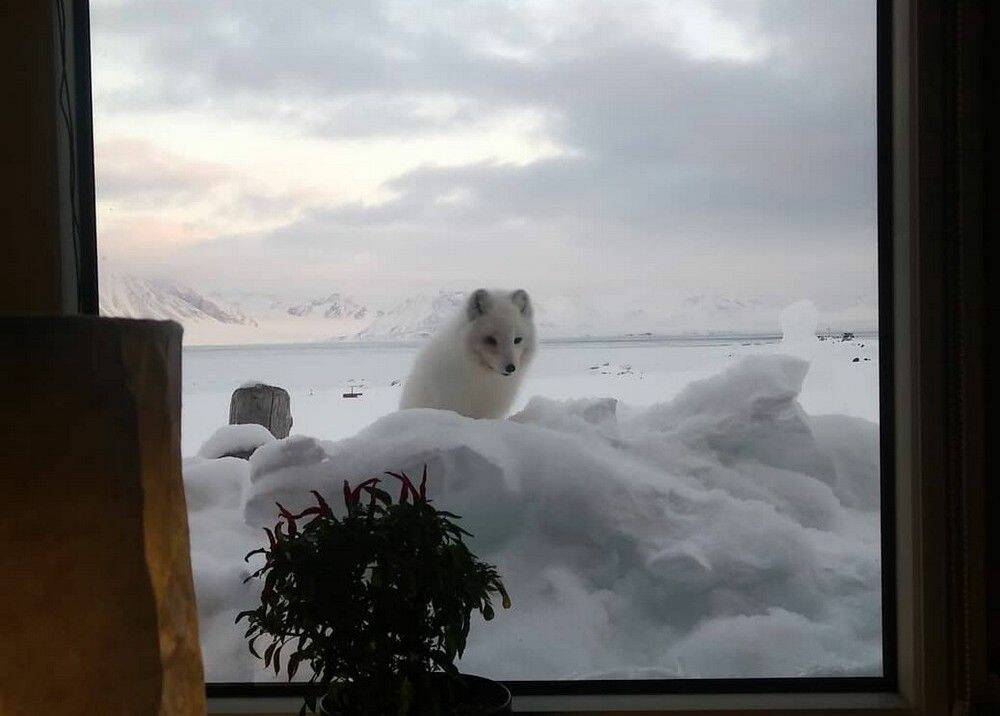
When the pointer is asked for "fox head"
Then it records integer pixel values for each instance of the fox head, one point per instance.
(501, 331)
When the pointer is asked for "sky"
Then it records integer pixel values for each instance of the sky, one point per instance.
(383, 148)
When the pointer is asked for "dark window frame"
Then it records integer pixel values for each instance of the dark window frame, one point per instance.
(76, 101)
(81, 133)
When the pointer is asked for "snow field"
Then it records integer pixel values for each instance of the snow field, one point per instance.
(705, 517)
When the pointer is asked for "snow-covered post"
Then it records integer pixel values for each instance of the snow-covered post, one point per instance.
(262, 404)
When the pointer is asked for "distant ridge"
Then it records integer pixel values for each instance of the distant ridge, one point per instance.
(132, 297)
(415, 318)
(258, 317)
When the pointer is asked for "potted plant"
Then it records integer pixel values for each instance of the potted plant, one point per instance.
(377, 603)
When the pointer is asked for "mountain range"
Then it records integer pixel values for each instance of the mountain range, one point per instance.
(219, 319)
(213, 318)
(333, 306)
(133, 297)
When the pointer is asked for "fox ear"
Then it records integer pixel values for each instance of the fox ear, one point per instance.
(479, 303)
(521, 300)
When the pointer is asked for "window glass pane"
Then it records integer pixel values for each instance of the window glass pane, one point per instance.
(676, 468)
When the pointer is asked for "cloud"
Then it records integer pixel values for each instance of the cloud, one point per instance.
(685, 132)
(134, 172)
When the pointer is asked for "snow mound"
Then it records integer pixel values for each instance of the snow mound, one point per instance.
(724, 533)
(852, 444)
(798, 329)
(219, 540)
(798, 321)
(235, 440)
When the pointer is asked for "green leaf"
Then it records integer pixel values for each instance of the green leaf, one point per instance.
(293, 664)
(370, 598)
(244, 615)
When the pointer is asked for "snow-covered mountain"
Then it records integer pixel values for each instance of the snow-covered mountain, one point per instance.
(414, 318)
(235, 317)
(335, 305)
(250, 317)
(133, 297)
(334, 317)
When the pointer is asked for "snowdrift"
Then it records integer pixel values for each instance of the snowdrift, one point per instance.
(722, 534)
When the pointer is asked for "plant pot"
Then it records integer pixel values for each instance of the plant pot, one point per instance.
(491, 697)
(483, 697)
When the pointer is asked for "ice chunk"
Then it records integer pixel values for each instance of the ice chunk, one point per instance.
(798, 322)
(747, 413)
(852, 444)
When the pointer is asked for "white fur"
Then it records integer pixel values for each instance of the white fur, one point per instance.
(459, 370)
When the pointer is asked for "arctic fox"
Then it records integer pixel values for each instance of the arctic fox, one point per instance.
(474, 364)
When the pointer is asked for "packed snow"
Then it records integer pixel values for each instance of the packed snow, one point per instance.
(235, 439)
(713, 512)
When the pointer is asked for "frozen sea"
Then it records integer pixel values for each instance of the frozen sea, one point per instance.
(639, 372)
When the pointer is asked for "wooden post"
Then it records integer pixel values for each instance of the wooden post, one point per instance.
(262, 404)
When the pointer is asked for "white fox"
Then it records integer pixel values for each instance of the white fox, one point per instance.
(475, 363)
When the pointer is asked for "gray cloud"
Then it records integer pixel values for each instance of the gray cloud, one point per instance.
(670, 156)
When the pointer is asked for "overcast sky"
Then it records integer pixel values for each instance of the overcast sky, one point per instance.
(383, 148)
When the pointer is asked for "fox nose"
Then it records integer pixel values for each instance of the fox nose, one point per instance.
(510, 368)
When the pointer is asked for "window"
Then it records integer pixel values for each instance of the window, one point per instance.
(690, 487)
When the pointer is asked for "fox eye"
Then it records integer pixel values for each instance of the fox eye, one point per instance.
(518, 340)
(490, 341)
